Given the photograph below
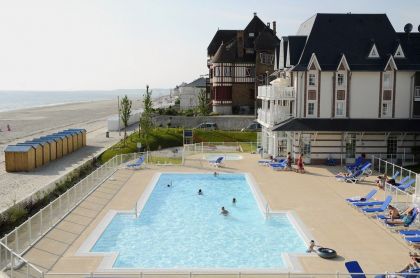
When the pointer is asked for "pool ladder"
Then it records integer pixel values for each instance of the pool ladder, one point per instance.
(267, 210)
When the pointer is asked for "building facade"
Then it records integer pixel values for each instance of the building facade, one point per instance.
(239, 61)
(188, 93)
(347, 84)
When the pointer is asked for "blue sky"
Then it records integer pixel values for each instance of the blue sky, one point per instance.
(113, 44)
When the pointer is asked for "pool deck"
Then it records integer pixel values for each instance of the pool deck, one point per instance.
(315, 197)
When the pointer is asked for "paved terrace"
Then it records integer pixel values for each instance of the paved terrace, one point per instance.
(316, 197)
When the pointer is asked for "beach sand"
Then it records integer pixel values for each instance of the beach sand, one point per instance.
(35, 122)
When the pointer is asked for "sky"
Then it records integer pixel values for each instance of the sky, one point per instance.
(126, 44)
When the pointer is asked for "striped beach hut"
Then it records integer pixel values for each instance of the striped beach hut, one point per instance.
(38, 152)
(19, 158)
(45, 150)
(52, 145)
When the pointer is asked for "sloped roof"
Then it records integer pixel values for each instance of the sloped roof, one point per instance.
(256, 25)
(348, 125)
(353, 35)
(220, 36)
(266, 40)
(17, 149)
(199, 83)
(410, 44)
(227, 53)
(295, 45)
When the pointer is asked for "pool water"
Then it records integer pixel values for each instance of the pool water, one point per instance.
(178, 228)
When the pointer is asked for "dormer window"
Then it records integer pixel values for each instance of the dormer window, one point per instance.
(373, 52)
(399, 53)
(251, 35)
(340, 79)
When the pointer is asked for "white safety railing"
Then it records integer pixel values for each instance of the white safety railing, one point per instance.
(276, 92)
(219, 274)
(34, 228)
(14, 265)
(382, 166)
(272, 116)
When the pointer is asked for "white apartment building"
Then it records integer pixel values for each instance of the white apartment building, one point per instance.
(188, 93)
(347, 84)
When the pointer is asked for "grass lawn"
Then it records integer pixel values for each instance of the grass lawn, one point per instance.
(162, 138)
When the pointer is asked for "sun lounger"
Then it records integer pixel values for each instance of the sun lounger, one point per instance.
(358, 175)
(402, 181)
(356, 164)
(367, 197)
(415, 213)
(278, 165)
(406, 185)
(413, 239)
(216, 163)
(264, 162)
(395, 176)
(410, 233)
(382, 208)
(354, 269)
(137, 164)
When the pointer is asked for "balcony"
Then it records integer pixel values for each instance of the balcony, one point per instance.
(272, 117)
(273, 92)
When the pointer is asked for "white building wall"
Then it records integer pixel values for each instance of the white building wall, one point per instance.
(326, 94)
(403, 97)
(364, 95)
(188, 97)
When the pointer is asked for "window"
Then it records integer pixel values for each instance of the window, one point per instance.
(251, 35)
(249, 51)
(385, 109)
(311, 108)
(339, 111)
(217, 71)
(340, 79)
(391, 147)
(266, 59)
(387, 80)
(311, 95)
(387, 95)
(249, 72)
(417, 92)
(341, 95)
(227, 71)
(351, 146)
(312, 79)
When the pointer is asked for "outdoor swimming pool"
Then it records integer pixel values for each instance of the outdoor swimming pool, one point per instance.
(179, 229)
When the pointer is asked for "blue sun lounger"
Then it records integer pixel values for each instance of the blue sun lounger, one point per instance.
(410, 233)
(278, 165)
(367, 197)
(137, 163)
(355, 165)
(354, 269)
(406, 185)
(216, 163)
(403, 180)
(382, 208)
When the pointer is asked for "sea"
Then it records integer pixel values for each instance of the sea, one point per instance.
(14, 100)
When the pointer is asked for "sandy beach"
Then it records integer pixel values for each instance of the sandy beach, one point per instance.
(34, 122)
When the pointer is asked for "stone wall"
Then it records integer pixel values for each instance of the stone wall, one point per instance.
(223, 122)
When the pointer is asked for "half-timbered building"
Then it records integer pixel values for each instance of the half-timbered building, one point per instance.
(239, 61)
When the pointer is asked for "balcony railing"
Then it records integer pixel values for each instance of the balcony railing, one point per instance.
(272, 117)
(276, 92)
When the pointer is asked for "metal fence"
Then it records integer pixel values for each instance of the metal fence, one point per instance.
(15, 266)
(217, 274)
(399, 196)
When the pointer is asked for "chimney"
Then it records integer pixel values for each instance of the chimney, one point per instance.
(240, 43)
(274, 27)
(255, 14)
(268, 25)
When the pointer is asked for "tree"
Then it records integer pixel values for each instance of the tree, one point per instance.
(203, 104)
(145, 123)
(125, 113)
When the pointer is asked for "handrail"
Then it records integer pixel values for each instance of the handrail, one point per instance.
(41, 273)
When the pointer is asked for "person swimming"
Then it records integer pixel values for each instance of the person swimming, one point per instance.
(168, 185)
(200, 192)
(215, 174)
(234, 200)
(224, 211)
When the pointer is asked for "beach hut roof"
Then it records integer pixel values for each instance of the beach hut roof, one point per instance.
(44, 139)
(41, 142)
(29, 144)
(15, 149)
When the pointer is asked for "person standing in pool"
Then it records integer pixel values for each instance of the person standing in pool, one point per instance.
(224, 211)
(215, 174)
(200, 192)
(234, 201)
